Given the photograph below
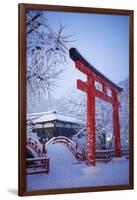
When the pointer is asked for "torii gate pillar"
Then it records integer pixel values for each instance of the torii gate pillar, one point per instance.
(116, 125)
(93, 76)
(91, 144)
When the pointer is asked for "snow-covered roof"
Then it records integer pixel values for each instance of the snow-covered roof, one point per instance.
(50, 116)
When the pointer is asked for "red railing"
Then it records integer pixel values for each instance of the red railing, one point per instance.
(35, 144)
(69, 144)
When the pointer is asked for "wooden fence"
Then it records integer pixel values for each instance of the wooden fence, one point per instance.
(37, 165)
(107, 155)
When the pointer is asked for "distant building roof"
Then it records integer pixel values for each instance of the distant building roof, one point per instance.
(50, 116)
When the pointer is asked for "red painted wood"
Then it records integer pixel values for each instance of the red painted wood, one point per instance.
(103, 96)
(82, 85)
(81, 67)
(116, 125)
(91, 142)
(92, 92)
(73, 148)
(104, 88)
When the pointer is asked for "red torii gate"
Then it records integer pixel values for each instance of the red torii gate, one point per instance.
(108, 92)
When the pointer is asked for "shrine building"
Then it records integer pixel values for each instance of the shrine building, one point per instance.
(52, 124)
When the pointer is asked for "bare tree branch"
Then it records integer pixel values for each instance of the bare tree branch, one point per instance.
(46, 51)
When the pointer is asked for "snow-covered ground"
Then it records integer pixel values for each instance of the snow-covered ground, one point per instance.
(67, 172)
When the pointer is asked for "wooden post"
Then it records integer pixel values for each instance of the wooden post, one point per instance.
(116, 125)
(43, 150)
(91, 139)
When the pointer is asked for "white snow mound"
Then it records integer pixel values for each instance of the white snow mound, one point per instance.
(120, 159)
(91, 170)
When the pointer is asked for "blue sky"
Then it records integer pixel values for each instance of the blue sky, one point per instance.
(101, 39)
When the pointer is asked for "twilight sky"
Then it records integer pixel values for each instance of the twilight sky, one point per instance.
(101, 39)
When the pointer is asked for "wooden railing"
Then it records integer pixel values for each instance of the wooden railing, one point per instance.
(69, 144)
(103, 155)
(35, 144)
(107, 155)
(37, 165)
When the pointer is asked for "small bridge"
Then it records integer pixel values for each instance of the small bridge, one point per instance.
(69, 144)
(38, 163)
(34, 147)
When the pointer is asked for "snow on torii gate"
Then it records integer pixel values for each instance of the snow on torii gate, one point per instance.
(93, 77)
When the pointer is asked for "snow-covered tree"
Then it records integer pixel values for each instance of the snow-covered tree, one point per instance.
(46, 51)
(124, 112)
(104, 125)
(73, 105)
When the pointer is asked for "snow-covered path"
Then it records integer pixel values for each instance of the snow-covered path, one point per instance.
(67, 172)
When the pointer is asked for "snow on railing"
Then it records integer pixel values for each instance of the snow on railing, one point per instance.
(104, 151)
(33, 142)
(79, 132)
(124, 150)
(69, 143)
(108, 154)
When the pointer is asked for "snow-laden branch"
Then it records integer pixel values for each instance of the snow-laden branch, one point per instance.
(46, 53)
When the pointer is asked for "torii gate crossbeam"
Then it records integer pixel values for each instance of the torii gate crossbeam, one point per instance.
(89, 87)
